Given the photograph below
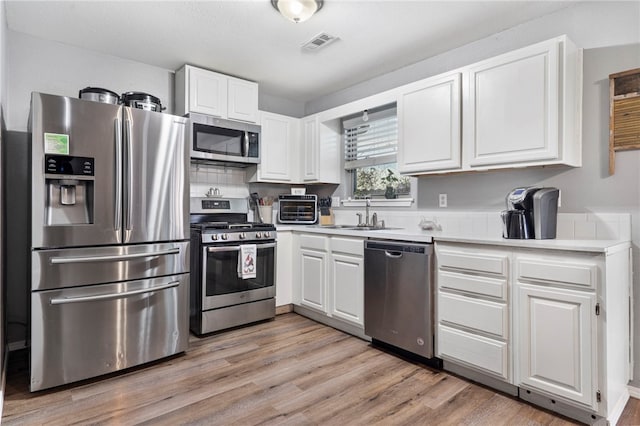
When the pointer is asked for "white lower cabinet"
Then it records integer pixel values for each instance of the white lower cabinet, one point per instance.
(557, 330)
(473, 310)
(330, 277)
(554, 323)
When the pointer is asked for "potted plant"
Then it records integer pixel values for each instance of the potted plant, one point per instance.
(391, 181)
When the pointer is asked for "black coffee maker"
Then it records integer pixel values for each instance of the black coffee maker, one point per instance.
(531, 213)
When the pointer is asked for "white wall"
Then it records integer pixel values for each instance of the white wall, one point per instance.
(51, 67)
(47, 66)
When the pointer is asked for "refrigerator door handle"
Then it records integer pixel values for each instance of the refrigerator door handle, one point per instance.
(127, 140)
(65, 300)
(111, 258)
(118, 203)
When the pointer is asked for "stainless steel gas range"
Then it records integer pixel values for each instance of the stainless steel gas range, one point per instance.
(221, 296)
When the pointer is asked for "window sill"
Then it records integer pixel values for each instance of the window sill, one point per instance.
(382, 202)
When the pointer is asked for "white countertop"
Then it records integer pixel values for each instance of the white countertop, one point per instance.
(597, 246)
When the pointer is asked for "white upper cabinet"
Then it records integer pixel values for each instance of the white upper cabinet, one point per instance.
(212, 93)
(521, 107)
(310, 149)
(279, 156)
(243, 100)
(429, 125)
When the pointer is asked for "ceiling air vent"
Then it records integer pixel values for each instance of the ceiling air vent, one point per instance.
(319, 41)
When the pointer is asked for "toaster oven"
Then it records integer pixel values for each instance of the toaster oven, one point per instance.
(298, 209)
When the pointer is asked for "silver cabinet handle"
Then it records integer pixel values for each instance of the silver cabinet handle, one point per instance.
(110, 258)
(237, 248)
(118, 191)
(127, 140)
(64, 300)
(393, 254)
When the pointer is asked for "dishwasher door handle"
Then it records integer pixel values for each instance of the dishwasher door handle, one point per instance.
(393, 254)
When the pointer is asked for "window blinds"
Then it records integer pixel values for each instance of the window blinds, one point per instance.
(371, 142)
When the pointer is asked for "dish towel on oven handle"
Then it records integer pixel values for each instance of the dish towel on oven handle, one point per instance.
(247, 261)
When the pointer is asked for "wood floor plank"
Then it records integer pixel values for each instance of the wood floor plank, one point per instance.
(289, 371)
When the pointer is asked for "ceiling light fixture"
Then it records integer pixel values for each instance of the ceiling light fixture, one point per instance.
(297, 10)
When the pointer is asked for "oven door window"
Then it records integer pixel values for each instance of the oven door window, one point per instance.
(222, 272)
(218, 140)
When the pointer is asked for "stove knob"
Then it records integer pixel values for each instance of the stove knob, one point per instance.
(224, 236)
(242, 235)
(214, 237)
(258, 234)
(267, 234)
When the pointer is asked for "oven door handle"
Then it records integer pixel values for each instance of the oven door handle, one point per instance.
(237, 248)
(64, 300)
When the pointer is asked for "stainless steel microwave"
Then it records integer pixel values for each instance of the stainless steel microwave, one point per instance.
(227, 141)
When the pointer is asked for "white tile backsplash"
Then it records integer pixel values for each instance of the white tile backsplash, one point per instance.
(571, 226)
(230, 181)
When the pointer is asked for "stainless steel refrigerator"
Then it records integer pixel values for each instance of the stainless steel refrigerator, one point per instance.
(109, 238)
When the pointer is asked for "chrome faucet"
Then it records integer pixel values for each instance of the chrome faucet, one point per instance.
(366, 209)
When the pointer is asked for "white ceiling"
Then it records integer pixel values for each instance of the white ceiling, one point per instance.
(249, 39)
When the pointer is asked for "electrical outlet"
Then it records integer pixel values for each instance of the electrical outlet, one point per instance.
(335, 201)
(442, 200)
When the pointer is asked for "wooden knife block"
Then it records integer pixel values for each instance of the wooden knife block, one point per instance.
(327, 219)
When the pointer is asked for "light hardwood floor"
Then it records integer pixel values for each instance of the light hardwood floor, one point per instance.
(290, 371)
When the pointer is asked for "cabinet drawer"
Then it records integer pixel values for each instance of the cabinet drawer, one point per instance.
(477, 351)
(353, 246)
(314, 242)
(481, 315)
(564, 273)
(487, 263)
(492, 287)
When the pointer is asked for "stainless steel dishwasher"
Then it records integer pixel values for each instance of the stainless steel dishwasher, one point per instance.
(398, 295)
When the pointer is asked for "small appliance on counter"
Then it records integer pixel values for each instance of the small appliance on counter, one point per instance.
(298, 209)
(531, 213)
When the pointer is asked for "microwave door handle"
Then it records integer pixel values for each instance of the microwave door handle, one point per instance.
(245, 145)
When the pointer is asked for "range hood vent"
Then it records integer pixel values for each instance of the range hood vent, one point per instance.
(319, 41)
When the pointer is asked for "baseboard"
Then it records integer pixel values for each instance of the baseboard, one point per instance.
(616, 411)
(284, 309)
(634, 392)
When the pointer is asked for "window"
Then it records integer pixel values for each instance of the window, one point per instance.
(371, 143)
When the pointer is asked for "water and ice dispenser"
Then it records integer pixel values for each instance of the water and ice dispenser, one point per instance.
(70, 183)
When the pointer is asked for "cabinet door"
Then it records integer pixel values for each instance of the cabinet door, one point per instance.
(511, 113)
(347, 285)
(311, 148)
(429, 126)
(313, 279)
(276, 148)
(243, 100)
(284, 268)
(557, 342)
(207, 92)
